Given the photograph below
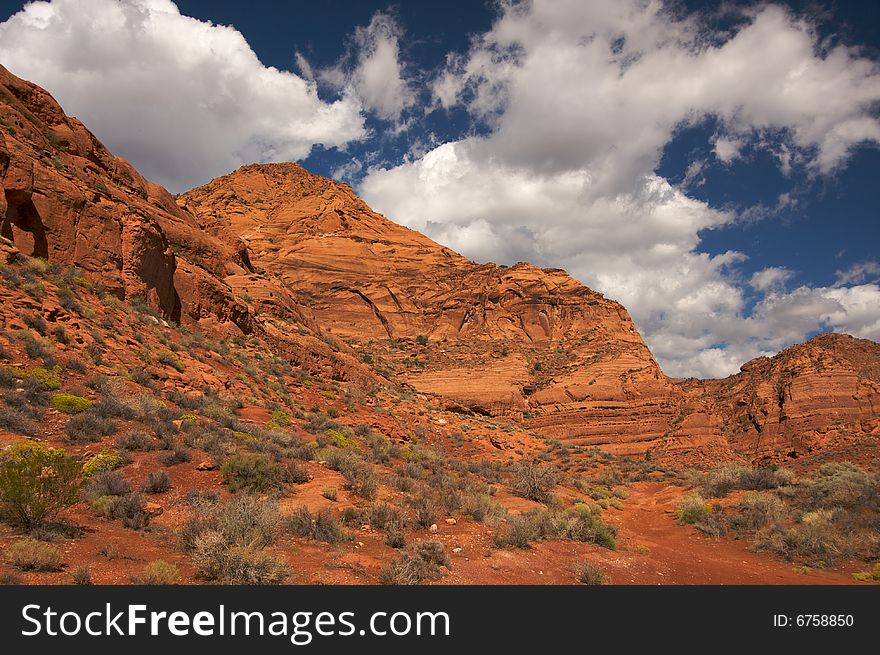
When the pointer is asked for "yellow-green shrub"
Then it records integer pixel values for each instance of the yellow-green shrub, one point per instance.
(69, 403)
(36, 482)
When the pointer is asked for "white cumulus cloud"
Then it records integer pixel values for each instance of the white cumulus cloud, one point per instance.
(579, 100)
(185, 100)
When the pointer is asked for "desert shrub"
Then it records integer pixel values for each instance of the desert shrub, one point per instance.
(69, 403)
(729, 477)
(330, 493)
(296, 473)
(81, 576)
(157, 482)
(89, 427)
(169, 359)
(516, 532)
(590, 574)
(319, 423)
(279, 418)
(33, 555)
(381, 448)
(482, 508)
(36, 322)
(321, 525)
(17, 418)
(422, 563)
(158, 572)
(386, 517)
(533, 480)
(34, 348)
(868, 576)
(135, 440)
(815, 538)
(130, 508)
(691, 509)
(580, 523)
(114, 407)
(256, 473)
(106, 460)
(60, 334)
(336, 438)
(36, 482)
(338, 460)
(757, 510)
(361, 480)
(838, 484)
(176, 455)
(107, 483)
(243, 520)
(218, 560)
(426, 507)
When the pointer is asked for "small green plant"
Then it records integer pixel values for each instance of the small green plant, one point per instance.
(106, 460)
(256, 473)
(158, 572)
(692, 509)
(589, 574)
(330, 493)
(81, 576)
(69, 403)
(279, 419)
(868, 576)
(33, 555)
(36, 482)
(157, 482)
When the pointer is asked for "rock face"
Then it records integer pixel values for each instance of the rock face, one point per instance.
(67, 199)
(304, 264)
(813, 397)
(533, 344)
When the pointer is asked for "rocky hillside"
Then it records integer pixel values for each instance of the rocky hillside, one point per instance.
(66, 199)
(523, 342)
(303, 264)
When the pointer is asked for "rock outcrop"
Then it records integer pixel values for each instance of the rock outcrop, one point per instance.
(302, 263)
(65, 198)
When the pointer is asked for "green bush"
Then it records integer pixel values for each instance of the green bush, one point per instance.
(589, 574)
(691, 509)
(361, 480)
(135, 440)
(322, 525)
(242, 520)
(36, 482)
(69, 403)
(33, 555)
(729, 477)
(219, 561)
(106, 460)
(158, 572)
(256, 473)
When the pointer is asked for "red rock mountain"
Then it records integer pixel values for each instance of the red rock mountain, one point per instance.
(301, 261)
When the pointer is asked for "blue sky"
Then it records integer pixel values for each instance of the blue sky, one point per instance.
(710, 165)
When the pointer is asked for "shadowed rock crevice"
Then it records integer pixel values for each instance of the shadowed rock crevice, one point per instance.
(23, 226)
